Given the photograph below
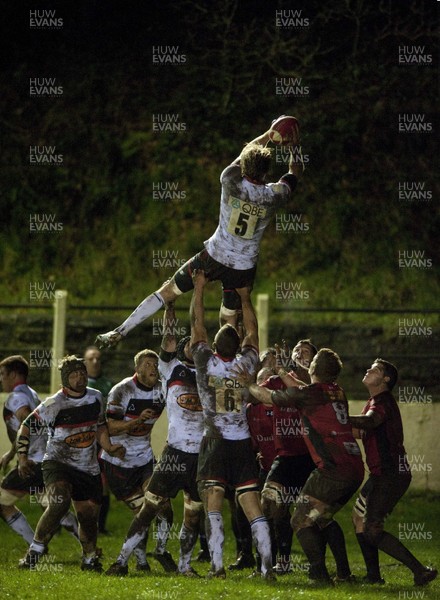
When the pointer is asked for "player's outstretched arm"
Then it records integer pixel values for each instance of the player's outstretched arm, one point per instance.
(169, 319)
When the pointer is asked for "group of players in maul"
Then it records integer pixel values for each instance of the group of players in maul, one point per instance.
(263, 432)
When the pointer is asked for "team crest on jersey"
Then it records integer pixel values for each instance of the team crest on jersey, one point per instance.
(84, 439)
(189, 402)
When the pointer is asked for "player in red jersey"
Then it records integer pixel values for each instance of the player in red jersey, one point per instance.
(381, 430)
(292, 462)
(323, 408)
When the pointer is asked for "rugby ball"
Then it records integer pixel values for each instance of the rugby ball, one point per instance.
(284, 131)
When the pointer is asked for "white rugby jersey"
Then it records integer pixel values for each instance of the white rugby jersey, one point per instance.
(184, 409)
(24, 396)
(245, 211)
(126, 400)
(220, 393)
(72, 424)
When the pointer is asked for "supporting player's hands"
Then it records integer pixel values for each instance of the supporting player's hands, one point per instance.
(25, 466)
(243, 376)
(199, 279)
(147, 414)
(283, 359)
(116, 450)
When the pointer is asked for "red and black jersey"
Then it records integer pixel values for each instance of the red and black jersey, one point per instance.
(328, 434)
(260, 419)
(383, 445)
(287, 425)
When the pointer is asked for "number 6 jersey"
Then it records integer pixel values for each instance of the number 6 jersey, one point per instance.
(220, 393)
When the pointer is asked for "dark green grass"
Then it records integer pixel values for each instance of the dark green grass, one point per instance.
(62, 577)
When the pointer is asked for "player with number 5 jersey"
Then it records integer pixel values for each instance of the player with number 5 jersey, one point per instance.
(230, 255)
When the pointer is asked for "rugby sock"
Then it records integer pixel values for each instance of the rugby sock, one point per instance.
(188, 539)
(216, 538)
(392, 546)
(371, 557)
(334, 537)
(163, 531)
(19, 524)
(140, 551)
(131, 542)
(313, 544)
(37, 547)
(70, 523)
(261, 537)
(149, 306)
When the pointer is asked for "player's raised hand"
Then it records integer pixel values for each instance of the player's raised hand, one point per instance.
(283, 359)
(243, 376)
(199, 278)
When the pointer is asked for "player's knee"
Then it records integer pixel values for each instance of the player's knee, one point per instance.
(373, 532)
(231, 302)
(208, 487)
(135, 502)
(272, 502)
(191, 506)
(305, 515)
(159, 502)
(7, 498)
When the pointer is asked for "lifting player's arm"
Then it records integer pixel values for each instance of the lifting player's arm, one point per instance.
(250, 323)
(197, 310)
(169, 319)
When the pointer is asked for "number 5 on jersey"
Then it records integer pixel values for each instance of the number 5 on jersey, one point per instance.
(244, 217)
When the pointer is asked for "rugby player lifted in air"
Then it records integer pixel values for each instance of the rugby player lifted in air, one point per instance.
(230, 254)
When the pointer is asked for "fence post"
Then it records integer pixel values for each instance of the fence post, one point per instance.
(58, 338)
(263, 319)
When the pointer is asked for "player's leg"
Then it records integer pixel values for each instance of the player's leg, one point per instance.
(385, 494)
(308, 510)
(212, 493)
(249, 499)
(192, 516)
(243, 536)
(69, 521)
(59, 495)
(369, 551)
(179, 283)
(14, 487)
(231, 279)
(88, 512)
(13, 516)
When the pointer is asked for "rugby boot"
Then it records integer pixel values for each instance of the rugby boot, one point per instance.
(93, 565)
(425, 576)
(117, 569)
(30, 560)
(167, 562)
